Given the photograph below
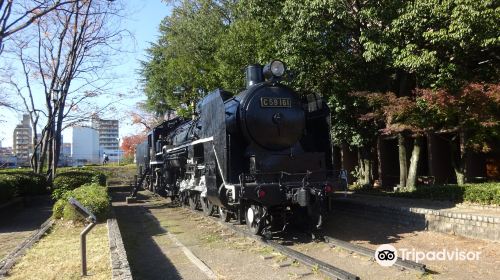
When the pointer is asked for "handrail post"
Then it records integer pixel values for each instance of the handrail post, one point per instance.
(83, 245)
(82, 210)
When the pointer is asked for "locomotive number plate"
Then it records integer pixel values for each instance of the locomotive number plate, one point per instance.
(275, 102)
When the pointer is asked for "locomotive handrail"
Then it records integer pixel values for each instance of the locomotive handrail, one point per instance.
(218, 166)
(199, 141)
(300, 173)
(341, 174)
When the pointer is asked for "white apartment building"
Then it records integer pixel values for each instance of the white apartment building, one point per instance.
(85, 147)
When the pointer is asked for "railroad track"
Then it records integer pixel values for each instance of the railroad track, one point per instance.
(325, 268)
(405, 264)
(309, 261)
(313, 263)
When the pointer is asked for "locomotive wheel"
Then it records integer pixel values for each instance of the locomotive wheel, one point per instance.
(254, 221)
(206, 206)
(193, 201)
(224, 215)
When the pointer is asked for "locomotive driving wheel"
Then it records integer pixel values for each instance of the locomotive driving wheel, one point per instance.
(254, 219)
(206, 206)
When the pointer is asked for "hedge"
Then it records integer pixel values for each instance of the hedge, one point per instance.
(484, 193)
(480, 193)
(8, 187)
(72, 179)
(21, 183)
(93, 196)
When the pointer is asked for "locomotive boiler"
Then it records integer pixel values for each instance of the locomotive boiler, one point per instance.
(262, 156)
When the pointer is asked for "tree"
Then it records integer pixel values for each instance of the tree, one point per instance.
(447, 44)
(473, 115)
(181, 68)
(406, 117)
(342, 50)
(17, 15)
(66, 58)
(129, 143)
(145, 119)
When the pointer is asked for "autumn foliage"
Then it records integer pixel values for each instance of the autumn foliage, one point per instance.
(130, 142)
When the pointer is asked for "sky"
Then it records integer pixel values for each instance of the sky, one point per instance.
(142, 21)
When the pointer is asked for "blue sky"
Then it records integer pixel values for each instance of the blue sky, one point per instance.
(142, 21)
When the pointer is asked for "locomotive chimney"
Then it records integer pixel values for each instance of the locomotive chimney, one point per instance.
(254, 75)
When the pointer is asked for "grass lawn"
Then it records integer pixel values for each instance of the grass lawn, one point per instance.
(57, 255)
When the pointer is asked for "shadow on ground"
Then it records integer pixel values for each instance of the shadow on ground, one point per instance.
(26, 216)
(146, 259)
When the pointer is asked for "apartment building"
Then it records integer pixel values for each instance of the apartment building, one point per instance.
(22, 141)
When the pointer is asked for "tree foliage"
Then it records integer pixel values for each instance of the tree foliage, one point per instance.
(129, 143)
(384, 66)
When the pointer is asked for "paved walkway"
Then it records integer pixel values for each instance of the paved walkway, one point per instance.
(17, 223)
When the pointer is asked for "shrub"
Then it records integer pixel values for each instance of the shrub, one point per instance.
(72, 179)
(58, 208)
(482, 193)
(93, 196)
(8, 187)
(438, 192)
(31, 184)
(21, 183)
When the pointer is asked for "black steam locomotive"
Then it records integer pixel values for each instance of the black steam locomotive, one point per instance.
(262, 157)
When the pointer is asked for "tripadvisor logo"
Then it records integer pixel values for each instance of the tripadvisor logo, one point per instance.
(387, 255)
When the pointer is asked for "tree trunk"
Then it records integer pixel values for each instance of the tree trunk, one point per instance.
(50, 148)
(403, 168)
(379, 161)
(34, 157)
(43, 150)
(412, 172)
(365, 166)
(458, 157)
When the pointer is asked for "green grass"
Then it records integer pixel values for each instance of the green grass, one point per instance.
(57, 255)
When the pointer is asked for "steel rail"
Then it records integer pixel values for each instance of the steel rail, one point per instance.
(309, 261)
(371, 253)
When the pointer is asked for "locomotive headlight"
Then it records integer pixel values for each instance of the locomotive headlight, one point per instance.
(274, 69)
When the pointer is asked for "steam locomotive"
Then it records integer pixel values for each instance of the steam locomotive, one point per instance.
(262, 156)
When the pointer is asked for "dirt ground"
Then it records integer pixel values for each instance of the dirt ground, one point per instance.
(371, 233)
(144, 226)
(152, 255)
